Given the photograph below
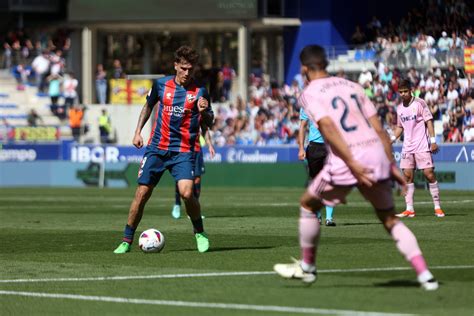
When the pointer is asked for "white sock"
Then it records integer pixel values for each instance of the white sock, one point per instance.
(425, 276)
(308, 267)
(410, 208)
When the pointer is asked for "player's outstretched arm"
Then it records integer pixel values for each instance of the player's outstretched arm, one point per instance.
(301, 138)
(332, 137)
(142, 119)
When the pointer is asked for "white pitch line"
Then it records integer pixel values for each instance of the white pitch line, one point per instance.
(262, 308)
(217, 274)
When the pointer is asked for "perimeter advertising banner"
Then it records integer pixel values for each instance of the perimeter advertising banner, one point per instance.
(124, 91)
(69, 151)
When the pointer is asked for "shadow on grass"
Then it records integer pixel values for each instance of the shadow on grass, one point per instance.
(357, 224)
(398, 283)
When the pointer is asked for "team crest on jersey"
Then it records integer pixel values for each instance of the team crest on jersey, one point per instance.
(190, 97)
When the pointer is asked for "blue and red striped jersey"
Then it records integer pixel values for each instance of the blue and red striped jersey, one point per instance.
(177, 121)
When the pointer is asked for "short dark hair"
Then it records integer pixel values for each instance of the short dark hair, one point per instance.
(186, 54)
(405, 84)
(314, 57)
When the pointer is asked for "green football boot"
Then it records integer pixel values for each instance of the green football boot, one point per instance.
(124, 247)
(202, 242)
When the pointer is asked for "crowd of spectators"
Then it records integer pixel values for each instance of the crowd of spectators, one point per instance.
(39, 58)
(426, 47)
(271, 117)
(431, 34)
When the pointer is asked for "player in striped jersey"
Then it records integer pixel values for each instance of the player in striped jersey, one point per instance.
(181, 107)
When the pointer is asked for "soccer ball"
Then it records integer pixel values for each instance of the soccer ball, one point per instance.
(151, 240)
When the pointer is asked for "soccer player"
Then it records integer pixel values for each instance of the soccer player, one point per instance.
(199, 170)
(182, 106)
(315, 154)
(415, 121)
(360, 154)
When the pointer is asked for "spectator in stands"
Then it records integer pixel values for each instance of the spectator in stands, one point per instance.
(469, 38)
(374, 27)
(21, 73)
(70, 84)
(404, 49)
(33, 118)
(228, 75)
(7, 56)
(41, 66)
(76, 115)
(469, 103)
(291, 93)
(117, 71)
(444, 45)
(57, 63)
(386, 75)
(451, 95)
(358, 38)
(468, 134)
(365, 77)
(105, 127)
(101, 84)
(456, 53)
(54, 93)
(454, 135)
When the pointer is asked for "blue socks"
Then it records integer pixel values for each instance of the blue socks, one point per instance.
(197, 190)
(329, 211)
(128, 234)
(177, 197)
(198, 226)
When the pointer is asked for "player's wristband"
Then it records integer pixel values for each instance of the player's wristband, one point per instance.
(433, 140)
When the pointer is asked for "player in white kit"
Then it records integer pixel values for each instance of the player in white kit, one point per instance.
(415, 121)
(360, 154)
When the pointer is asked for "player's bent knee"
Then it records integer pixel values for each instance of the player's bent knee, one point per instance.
(430, 175)
(310, 202)
(387, 217)
(186, 194)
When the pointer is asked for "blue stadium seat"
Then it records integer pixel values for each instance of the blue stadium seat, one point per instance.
(358, 55)
(369, 54)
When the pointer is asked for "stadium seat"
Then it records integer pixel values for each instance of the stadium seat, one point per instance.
(358, 55)
(369, 54)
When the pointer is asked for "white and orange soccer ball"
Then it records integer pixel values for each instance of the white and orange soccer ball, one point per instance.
(151, 240)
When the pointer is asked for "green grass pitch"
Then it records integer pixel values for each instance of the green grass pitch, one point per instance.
(70, 233)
